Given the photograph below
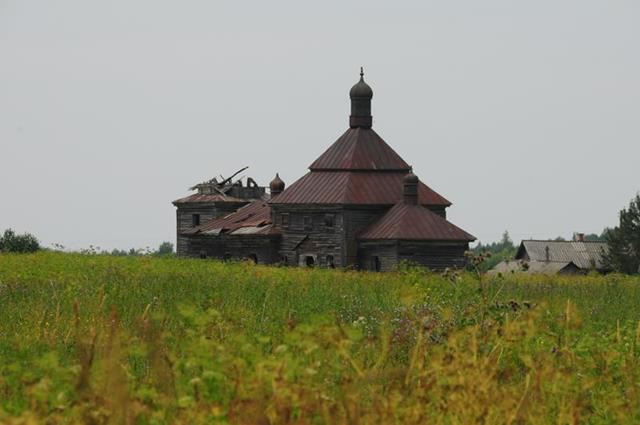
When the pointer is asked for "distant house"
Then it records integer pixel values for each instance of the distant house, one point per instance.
(556, 257)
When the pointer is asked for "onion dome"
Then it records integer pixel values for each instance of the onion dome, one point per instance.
(410, 188)
(361, 89)
(360, 95)
(276, 186)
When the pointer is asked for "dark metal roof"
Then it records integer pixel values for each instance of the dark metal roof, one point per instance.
(358, 187)
(197, 197)
(360, 149)
(253, 218)
(584, 254)
(414, 222)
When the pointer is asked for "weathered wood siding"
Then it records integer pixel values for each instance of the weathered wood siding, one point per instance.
(358, 218)
(385, 251)
(312, 237)
(264, 247)
(433, 255)
(207, 211)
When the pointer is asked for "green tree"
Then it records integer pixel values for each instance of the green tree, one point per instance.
(165, 248)
(11, 242)
(624, 240)
(502, 250)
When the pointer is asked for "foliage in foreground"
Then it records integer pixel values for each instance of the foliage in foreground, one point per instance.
(98, 339)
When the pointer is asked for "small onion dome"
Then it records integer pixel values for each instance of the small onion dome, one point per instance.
(410, 178)
(361, 89)
(276, 186)
(410, 188)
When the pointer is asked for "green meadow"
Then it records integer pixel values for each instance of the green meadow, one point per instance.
(143, 340)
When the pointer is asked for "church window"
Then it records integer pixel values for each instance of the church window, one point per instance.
(329, 220)
(195, 220)
(308, 224)
(330, 263)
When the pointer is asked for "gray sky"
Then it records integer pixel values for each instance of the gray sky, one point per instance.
(524, 114)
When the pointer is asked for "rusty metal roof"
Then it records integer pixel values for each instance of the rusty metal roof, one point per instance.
(360, 149)
(201, 198)
(255, 218)
(414, 222)
(584, 254)
(357, 188)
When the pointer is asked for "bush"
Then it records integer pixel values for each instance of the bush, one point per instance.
(165, 248)
(10, 242)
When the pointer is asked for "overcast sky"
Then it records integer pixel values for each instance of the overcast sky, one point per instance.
(526, 115)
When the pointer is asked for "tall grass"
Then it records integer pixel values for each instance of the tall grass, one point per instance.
(99, 339)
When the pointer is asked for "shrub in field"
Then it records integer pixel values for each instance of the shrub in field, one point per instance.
(11, 242)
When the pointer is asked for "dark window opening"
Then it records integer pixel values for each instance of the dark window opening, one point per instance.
(195, 220)
(309, 261)
(253, 258)
(329, 220)
(330, 263)
(203, 255)
(376, 263)
(306, 221)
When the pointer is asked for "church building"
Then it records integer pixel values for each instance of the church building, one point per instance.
(359, 206)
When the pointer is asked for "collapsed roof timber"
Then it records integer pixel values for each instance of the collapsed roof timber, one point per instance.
(360, 205)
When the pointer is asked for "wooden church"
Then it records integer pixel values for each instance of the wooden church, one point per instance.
(360, 206)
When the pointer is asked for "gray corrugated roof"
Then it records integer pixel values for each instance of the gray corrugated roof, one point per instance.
(585, 255)
(536, 267)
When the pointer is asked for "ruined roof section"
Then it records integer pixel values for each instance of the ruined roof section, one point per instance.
(414, 222)
(360, 149)
(354, 188)
(586, 255)
(253, 218)
(197, 197)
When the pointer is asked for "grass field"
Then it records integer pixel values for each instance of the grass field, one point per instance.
(100, 339)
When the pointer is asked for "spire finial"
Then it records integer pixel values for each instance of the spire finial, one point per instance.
(361, 72)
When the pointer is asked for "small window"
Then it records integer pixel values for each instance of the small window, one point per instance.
(329, 220)
(195, 220)
(376, 264)
(306, 221)
(285, 219)
(309, 261)
(330, 263)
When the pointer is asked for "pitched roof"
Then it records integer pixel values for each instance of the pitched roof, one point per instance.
(358, 187)
(585, 255)
(535, 267)
(360, 149)
(253, 218)
(414, 222)
(198, 197)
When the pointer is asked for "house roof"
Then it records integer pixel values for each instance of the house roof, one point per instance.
(360, 148)
(414, 222)
(536, 267)
(253, 218)
(357, 187)
(585, 255)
